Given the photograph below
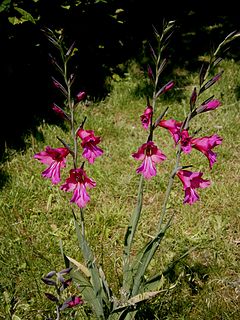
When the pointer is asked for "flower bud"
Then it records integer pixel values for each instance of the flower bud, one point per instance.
(168, 86)
(150, 73)
(210, 105)
(80, 96)
(193, 98)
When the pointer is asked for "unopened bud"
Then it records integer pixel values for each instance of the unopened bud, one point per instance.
(80, 96)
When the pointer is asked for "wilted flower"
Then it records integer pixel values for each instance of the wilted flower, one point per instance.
(89, 143)
(55, 158)
(146, 117)
(78, 182)
(150, 155)
(192, 181)
(205, 145)
(173, 127)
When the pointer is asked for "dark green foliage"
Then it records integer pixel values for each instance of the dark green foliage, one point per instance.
(107, 34)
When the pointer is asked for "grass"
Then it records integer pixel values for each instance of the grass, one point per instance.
(34, 215)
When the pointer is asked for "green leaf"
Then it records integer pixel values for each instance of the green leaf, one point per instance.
(92, 268)
(99, 1)
(129, 235)
(26, 16)
(15, 20)
(155, 283)
(143, 260)
(5, 5)
(80, 267)
(66, 261)
(119, 10)
(106, 288)
(128, 309)
(142, 297)
(66, 7)
(86, 290)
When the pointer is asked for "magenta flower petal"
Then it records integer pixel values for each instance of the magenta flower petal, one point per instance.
(78, 182)
(71, 302)
(91, 152)
(173, 127)
(80, 196)
(192, 181)
(89, 144)
(150, 155)
(186, 142)
(53, 172)
(205, 145)
(191, 196)
(55, 159)
(147, 168)
(75, 301)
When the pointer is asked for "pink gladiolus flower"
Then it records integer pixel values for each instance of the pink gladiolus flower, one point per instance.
(186, 142)
(210, 105)
(150, 155)
(173, 127)
(146, 117)
(205, 145)
(78, 182)
(55, 159)
(192, 181)
(89, 144)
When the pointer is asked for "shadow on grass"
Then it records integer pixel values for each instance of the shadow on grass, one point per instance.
(4, 178)
(182, 276)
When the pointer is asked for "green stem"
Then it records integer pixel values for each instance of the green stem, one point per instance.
(58, 313)
(172, 175)
(71, 108)
(82, 222)
(169, 188)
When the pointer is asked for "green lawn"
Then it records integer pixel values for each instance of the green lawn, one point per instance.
(34, 215)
